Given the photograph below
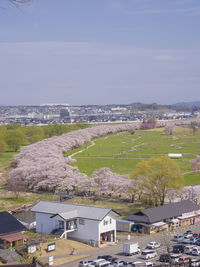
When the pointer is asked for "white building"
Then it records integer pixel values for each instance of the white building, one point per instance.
(84, 223)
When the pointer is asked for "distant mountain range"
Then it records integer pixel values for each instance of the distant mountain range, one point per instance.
(190, 104)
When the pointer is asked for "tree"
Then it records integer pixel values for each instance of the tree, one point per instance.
(15, 138)
(2, 146)
(169, 129)
(152, 120)
(193, 126)
(155, 177)
(17, 186)
(35, 134)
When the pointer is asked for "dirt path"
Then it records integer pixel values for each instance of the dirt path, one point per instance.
(92, 144)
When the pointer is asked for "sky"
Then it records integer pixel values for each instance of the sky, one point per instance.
(100, 52)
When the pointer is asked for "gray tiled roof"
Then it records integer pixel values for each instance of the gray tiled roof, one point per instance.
(82, 211)
(9, 224)
(163, 212)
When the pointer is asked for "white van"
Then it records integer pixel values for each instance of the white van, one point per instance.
(196, 251)
(188, 249)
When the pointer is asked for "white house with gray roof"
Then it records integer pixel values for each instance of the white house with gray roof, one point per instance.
(84, 223)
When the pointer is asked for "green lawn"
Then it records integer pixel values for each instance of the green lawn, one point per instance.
(6, 158)
(123, 208)
(121, 152)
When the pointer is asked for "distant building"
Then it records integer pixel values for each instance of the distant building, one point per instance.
(65, 115)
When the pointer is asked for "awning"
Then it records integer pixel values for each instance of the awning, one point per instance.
(158, 224)
(187, 216)
(13, 237)
(174, 220)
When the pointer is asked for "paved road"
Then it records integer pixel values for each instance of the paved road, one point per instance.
(116, 250)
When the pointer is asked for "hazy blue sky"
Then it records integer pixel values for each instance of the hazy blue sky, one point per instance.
(100, 51)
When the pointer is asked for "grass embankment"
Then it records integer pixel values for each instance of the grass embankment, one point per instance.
(121, 152)
(123, 208)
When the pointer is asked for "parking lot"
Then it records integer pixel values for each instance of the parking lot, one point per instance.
(165, 238)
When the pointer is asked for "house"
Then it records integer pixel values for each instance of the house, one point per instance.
(171, 215)
(92, 225)
(11, 231)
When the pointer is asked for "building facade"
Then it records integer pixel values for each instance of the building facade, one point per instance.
(92, 225)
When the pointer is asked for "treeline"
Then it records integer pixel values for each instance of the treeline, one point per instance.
(13, 136)
(157, 107)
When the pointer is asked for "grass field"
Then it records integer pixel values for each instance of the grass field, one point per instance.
(123, 208)
(121, 152)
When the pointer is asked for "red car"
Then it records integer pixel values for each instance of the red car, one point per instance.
(196, 235)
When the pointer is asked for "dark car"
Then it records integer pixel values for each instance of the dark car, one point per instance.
(197, 243)
(179, 248)
(164, 258)
(106, 257)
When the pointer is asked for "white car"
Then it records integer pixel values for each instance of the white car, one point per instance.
(152, 245)
(178, 237)
(195, 262)
(196, 251)
(175, 258)
(85, 263)
(148, 254)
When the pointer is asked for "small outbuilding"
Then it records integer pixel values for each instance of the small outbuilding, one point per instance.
(11, 231)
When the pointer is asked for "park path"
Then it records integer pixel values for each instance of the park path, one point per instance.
(75, 153)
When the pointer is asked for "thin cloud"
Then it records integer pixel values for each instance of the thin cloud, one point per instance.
(181, 11)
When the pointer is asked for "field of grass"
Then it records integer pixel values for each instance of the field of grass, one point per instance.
(8, 201)
(123, 208)
(121, 152)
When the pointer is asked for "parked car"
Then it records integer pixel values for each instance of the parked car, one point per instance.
(188, 249)
(178, 237)
(183, 260)
(85, 263)
(175, 258)
(195, 262)
(164, 258)
(149, 264)
(196, 251)
(188, 234)
(178, 248)
(105, 257)
(197, 235)
(139, 264)
(197, 242)
(127, 263)
(153, 245)
(117, 263)
(98, 263)
(148, 254)
(193, 240)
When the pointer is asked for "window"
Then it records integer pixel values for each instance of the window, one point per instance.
(105, 222)
(110, 220)
(61, 225)
(81, 221)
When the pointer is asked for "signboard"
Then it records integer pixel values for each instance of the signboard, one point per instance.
(51, 247)
(32, 249)
(51, 260)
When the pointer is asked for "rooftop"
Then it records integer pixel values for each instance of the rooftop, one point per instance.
(164, 212)
(66, 210)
